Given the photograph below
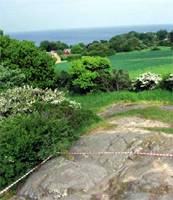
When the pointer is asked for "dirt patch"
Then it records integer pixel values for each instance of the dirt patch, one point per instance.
(168, 107)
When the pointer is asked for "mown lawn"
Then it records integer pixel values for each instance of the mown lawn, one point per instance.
(138, 62)
(98, 101)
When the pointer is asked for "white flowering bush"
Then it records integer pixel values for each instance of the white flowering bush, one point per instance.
(168, 82)
(22, 99)
(146, 81)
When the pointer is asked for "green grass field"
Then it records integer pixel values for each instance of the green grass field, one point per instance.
(138, 62)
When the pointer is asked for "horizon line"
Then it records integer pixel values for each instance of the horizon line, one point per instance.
(83, 28)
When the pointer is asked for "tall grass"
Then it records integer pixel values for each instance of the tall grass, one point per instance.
(97, 101)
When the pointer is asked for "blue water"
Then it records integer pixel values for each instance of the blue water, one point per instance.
(72, 36)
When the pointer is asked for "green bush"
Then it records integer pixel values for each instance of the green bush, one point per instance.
(120, 80)
(63, 80)
(36, 65)
(167, 82)
(10, 78)
(73, 57)
(26, 140)
(155, 48)
(99, 49)
(86, 72)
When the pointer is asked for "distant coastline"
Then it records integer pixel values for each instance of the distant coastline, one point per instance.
(85, 35)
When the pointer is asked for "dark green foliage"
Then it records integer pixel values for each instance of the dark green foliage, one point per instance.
(149, 39)
(171, 38)
(78, 48)
(63, 80)
(37, 65)
(162, 35)
(73, 57)
(55, 46)
(126, 42)
(155, 48)
(1, 32)
(10, 78)
(25, 140)
(115, 81)
(99, 49)
(120, 80)
(132, 44)
(167, 82)
(137, 41)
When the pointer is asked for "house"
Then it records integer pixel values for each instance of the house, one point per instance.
(67, 52)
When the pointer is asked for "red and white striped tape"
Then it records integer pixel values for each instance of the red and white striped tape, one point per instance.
(151, 154)
(138, 153)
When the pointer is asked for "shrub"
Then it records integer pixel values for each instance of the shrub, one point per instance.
(99, 49)
(63, 80)
(22, 99)
(146, 81)
(78, 48)
(73, 57)
(26, 140)
(120, 80)
(37, 65)
(155, 48)
(10, 78)
(167, 82)
(86, 71)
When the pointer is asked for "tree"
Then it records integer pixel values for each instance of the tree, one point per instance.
(85, 73)
(149, 38)
(36, 65)
(48, 46)
(77, 49)
(55, 46)
(171, 38)
(132, 44)
(99, 49)
(162, 35)
(1, 32)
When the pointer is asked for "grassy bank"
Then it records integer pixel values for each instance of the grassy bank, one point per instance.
(97, 101)
(154, 113)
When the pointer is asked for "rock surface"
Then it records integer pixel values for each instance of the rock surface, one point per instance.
(108, 177)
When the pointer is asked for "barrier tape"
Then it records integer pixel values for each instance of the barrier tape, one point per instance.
(138, 153)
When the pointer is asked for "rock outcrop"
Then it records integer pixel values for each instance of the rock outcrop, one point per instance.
(108, 177)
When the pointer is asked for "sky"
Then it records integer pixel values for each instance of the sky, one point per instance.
(35, 15)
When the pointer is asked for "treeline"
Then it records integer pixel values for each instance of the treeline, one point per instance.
(120, 43)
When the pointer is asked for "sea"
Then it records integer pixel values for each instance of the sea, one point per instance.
(85, 35)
